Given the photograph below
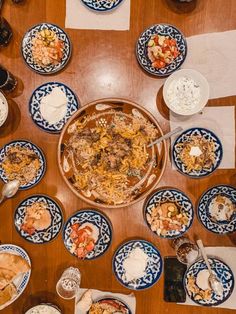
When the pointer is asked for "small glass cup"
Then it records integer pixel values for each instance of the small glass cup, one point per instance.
(7, 81)
(186, 251)
(69, 283)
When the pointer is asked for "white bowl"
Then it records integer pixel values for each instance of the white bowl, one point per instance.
(204, 91)
(3, 109)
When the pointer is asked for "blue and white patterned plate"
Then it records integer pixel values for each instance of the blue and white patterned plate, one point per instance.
(184, 137)
(41, 236)
(102, 5)
(173, 196)
(220, 227)
(100, 221)
(223, 273)
(26, 48)
(164, 30)
(34, 106)
(153, 269)
(36, 150)
(21, 281)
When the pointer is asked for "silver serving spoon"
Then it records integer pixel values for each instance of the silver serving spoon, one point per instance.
(166, 136)
(214, 282)
(9, 189)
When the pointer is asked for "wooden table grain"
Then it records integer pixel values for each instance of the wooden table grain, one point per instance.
(103, 64)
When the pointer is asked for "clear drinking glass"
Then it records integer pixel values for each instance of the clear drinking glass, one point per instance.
(186, 251)
(69, 283)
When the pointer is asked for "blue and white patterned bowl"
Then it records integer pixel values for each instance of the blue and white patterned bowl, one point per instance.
(34, 106)
(223, 273)
(153, 269)
(26, 48)
(174, 196)
(42, 236)
(220, 227)
(100, 221)
(21, 281)
(208, 135)
(102, 5)
(164, 30)
(36, 150)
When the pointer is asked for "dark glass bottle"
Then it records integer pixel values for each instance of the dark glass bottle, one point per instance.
(7, 81)
(5, 32)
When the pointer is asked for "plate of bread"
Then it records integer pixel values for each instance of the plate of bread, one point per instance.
(15, 269)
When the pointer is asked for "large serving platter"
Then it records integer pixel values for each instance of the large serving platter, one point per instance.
(95, 112)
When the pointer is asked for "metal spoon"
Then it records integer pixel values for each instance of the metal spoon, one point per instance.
(9, 189)
(214, 282)
(166, 136)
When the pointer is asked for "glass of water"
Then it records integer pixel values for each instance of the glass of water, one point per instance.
(69, 283)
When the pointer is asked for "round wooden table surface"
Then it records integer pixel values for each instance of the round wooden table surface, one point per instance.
(103, 65)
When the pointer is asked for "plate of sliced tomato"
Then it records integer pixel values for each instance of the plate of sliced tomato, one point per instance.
(161, 49)
(87, 234)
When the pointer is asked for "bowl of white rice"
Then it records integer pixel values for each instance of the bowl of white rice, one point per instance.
(3, 109)
(186, 92)
(44, 308)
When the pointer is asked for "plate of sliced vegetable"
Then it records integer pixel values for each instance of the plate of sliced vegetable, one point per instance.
(161, 49)
(87, 234)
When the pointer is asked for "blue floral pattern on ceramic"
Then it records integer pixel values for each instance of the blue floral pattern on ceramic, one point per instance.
(100, 221)
(172, 196)
(34, 106)
(26, 48)
(21, 281)
(153, 269)
(164, 30)
(40, 236)
(220, 227)
(36, 150)
(223, 273)
(102, 5)
(184, 137)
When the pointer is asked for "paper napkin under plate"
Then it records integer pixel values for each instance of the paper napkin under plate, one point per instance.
(78, 16)
(227, 255)
(130, 299)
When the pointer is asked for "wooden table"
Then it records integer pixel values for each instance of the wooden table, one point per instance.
(103, 64)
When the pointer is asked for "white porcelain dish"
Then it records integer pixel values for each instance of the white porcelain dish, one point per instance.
(189, 98)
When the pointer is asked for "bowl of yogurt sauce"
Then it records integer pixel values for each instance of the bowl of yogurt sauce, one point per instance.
(44, 308)
(186, 92)
(3, 109)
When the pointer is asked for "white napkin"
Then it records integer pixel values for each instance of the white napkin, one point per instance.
(213, 54)
(130, 299)
(78, 16)
(221, 121)
(228, 255)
